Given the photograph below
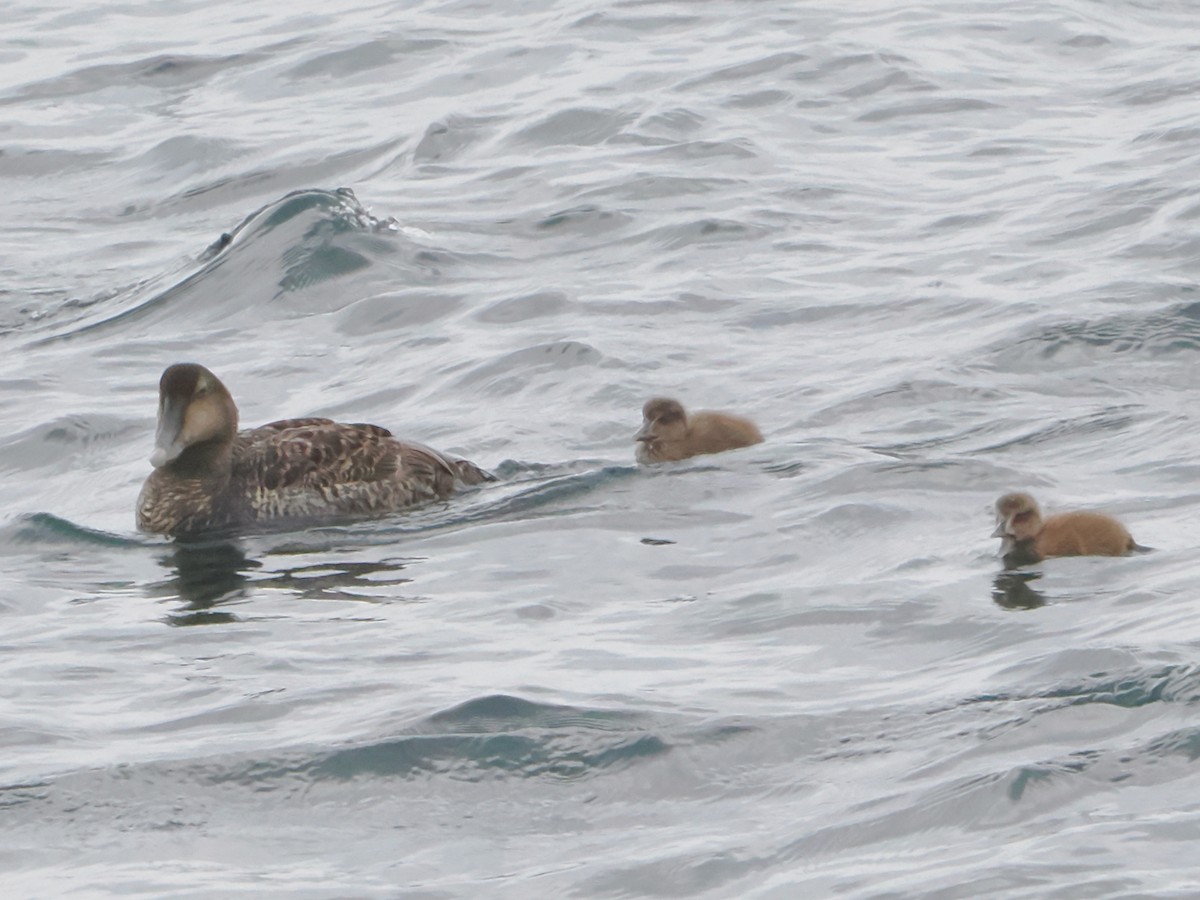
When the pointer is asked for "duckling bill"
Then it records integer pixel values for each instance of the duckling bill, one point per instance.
(668, 433)
(1027, 538)
(208, 476)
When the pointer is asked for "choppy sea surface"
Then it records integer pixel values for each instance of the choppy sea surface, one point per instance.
(938, 250)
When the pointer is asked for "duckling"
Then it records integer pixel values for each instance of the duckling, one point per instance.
(1028, 538)
(668, 433)
(208, 476)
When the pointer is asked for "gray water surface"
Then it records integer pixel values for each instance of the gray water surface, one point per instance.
(937, 251)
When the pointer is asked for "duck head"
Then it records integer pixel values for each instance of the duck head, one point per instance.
(193, 408)
(1017, 517)
(662, 420)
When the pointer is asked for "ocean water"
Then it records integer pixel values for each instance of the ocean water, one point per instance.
(938, 251)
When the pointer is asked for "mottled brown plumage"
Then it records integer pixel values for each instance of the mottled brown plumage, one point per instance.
(1028, 538)
(669, 433)
(209, 476)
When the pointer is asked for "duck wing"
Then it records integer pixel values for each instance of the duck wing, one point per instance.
(300, 468)
(462, 469)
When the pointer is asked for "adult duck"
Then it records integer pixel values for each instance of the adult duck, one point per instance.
(208, 476)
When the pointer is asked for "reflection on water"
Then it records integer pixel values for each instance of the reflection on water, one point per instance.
(1012, 591)
(206, 574)
(210, 574)
(341, 580)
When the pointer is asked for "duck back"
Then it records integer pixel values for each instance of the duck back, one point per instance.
(716, 432)
(1083, 534)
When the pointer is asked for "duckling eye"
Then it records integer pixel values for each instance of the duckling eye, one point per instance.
(201, 390)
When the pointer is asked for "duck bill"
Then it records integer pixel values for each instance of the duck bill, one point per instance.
(643, 433)
(1000, 530)
(168, 437)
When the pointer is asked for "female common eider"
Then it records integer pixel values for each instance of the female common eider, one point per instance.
(210, 476)
(668, 433)
(1028, 538)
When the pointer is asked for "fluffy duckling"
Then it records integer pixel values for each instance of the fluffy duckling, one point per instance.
(210, 476)
(668, 433)
(1028, 538)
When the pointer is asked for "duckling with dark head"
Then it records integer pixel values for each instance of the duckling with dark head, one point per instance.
(1027, 538)
(668, 433)
(208, 476)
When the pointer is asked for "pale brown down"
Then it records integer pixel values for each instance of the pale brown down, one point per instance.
(668, 433)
